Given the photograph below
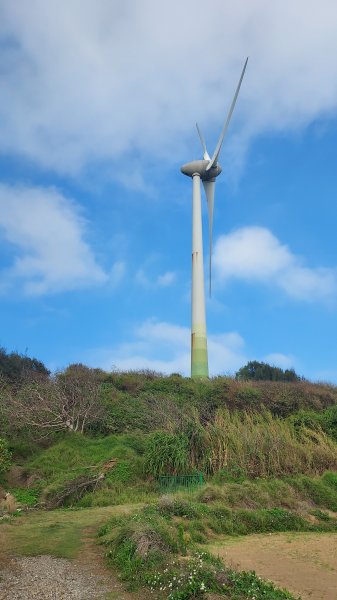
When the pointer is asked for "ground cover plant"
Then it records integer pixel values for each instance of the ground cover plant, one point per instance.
(130, 463)
(158, 547)
(113, 463)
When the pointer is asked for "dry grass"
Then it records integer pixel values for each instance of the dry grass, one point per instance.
(260, 445)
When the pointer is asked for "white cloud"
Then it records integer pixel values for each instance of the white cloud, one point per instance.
(117, 273)
(255, 254)
(45, 233)
(142, 279)
(165, 347)
(277, 359)
(166, 279)
(85, 80)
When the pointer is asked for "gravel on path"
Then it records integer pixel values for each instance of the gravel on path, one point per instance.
(49, 578)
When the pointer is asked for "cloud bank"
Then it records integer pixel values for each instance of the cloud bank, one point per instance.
(46, 235)
(170, 342)
(89, 81)
(165, 347)
(254, 254)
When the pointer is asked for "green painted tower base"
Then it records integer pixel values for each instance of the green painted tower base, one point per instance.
(199, 357)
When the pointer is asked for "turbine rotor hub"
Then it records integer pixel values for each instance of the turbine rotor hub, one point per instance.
(199, 167)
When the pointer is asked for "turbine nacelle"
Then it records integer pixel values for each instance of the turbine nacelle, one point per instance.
(208, 168)
(199, 167)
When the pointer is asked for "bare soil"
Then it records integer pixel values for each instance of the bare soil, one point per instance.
(303, 563)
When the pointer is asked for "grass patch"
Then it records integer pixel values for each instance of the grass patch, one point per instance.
(156, 547)
(78, 456)
(322, 491)
(57, 533)
(47, 534)
(237, 445)
(26, 497)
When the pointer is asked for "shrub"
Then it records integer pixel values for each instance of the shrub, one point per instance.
(5, 456)
(261, 371)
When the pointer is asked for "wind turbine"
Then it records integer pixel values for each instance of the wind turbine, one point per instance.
(205, 170)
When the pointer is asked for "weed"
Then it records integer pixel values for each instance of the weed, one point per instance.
(26, 496)
(320, 491)
(321, 515)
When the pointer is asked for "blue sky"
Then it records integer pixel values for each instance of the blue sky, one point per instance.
(98, 106)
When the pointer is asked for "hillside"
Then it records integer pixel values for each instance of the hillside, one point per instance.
(266, 450)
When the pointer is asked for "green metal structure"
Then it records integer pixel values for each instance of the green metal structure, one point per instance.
(170, 483)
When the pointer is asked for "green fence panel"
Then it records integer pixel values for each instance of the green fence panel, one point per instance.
(170, 483)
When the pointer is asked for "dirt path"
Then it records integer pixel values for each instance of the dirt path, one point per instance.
(303, 563)
(54, 556)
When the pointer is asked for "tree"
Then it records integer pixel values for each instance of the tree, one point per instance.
(68, 401)
(18, 368)
(260, 371)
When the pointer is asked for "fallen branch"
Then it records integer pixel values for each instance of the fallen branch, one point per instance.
(76, 488)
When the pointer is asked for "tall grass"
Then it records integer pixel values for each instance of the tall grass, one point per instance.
(167, 453)
(260, 445)
(241, 443)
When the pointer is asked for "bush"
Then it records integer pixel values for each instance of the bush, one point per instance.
(17, 368)
(5, 456)
(322, 492)
(260, 371)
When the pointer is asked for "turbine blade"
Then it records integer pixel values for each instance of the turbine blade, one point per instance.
(216, 153)
(209, 187)
(203, 143)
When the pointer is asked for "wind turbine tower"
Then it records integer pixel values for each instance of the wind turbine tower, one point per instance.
(205, 170)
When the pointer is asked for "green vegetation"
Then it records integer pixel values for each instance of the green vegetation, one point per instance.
(96, 403)
(56, 533)
(149, 549)
(128, 460)
(240, 443)
(265, 444)
(260, 371)
(5, 456)
(325, 420)
(26, 497)
(119, 458)
(16, 367)
(168, 453)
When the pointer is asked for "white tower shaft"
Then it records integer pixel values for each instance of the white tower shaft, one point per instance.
(199, 356)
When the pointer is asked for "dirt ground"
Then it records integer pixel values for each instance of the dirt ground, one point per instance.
(33, 567)
(57, 551)
(303, 563)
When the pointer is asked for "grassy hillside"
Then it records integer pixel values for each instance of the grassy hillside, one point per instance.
(153, 425)
(267, 451)
(145, 401)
